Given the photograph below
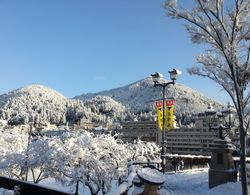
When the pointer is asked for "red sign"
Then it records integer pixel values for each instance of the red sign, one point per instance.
(169, 102)
(159, 104)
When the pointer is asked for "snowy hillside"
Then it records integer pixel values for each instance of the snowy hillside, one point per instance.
(35, 101)
(44, 105)
(140, 97)
(129, 103)
(32, 91)
(105, 105)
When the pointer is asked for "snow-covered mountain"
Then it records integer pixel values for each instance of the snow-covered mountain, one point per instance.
(140, 97)
(34, 102)
(32, 91)
(132, 102)
(44, 105)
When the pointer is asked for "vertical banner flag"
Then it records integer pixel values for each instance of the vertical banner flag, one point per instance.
(169, 114)
(159, 109)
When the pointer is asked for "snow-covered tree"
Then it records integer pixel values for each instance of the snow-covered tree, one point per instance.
(72, 157)
(12, 153)
(223, 26)
(97, 160)
(44, 158)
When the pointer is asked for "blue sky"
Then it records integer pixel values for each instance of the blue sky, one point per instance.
(81, 46)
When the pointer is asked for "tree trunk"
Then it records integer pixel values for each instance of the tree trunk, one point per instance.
(243, 159)
(240, 112)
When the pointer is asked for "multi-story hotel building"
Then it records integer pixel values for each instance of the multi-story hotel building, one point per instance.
(182, 140)
(144, 130)
(194, 140)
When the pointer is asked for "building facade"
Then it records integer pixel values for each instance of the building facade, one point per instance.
(194, 140)
(143, 130)
(183, 140)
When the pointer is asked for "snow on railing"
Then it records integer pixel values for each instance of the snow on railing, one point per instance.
(186, 156)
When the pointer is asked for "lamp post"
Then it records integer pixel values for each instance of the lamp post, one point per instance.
(210, 114)
(221, 167)
(224, 117)
(229, 114)
(156, 77)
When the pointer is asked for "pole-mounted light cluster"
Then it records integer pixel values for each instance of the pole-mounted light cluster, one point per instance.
(221, 120)
(157, 79)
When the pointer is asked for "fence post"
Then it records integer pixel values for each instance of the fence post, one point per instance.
(175, 164)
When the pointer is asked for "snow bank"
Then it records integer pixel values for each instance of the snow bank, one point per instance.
(196, 183)
(6, 192)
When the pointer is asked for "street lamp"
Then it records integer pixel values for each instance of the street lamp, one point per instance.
(210, 114)
(157, 79)
(224, 117)
(229, 114)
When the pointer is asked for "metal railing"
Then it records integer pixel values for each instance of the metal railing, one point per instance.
(25, 188)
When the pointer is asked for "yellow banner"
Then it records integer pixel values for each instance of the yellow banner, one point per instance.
(159, 109)
(169, 117)
(169, 114)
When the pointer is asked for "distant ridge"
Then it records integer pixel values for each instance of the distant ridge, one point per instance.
(132, 102)
(139, 96)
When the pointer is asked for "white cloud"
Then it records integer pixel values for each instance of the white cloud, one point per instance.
(100, 78)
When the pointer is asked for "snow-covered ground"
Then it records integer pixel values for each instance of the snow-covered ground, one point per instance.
(196, 183)
(182, 183)
(6, 192)
(188, 182)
